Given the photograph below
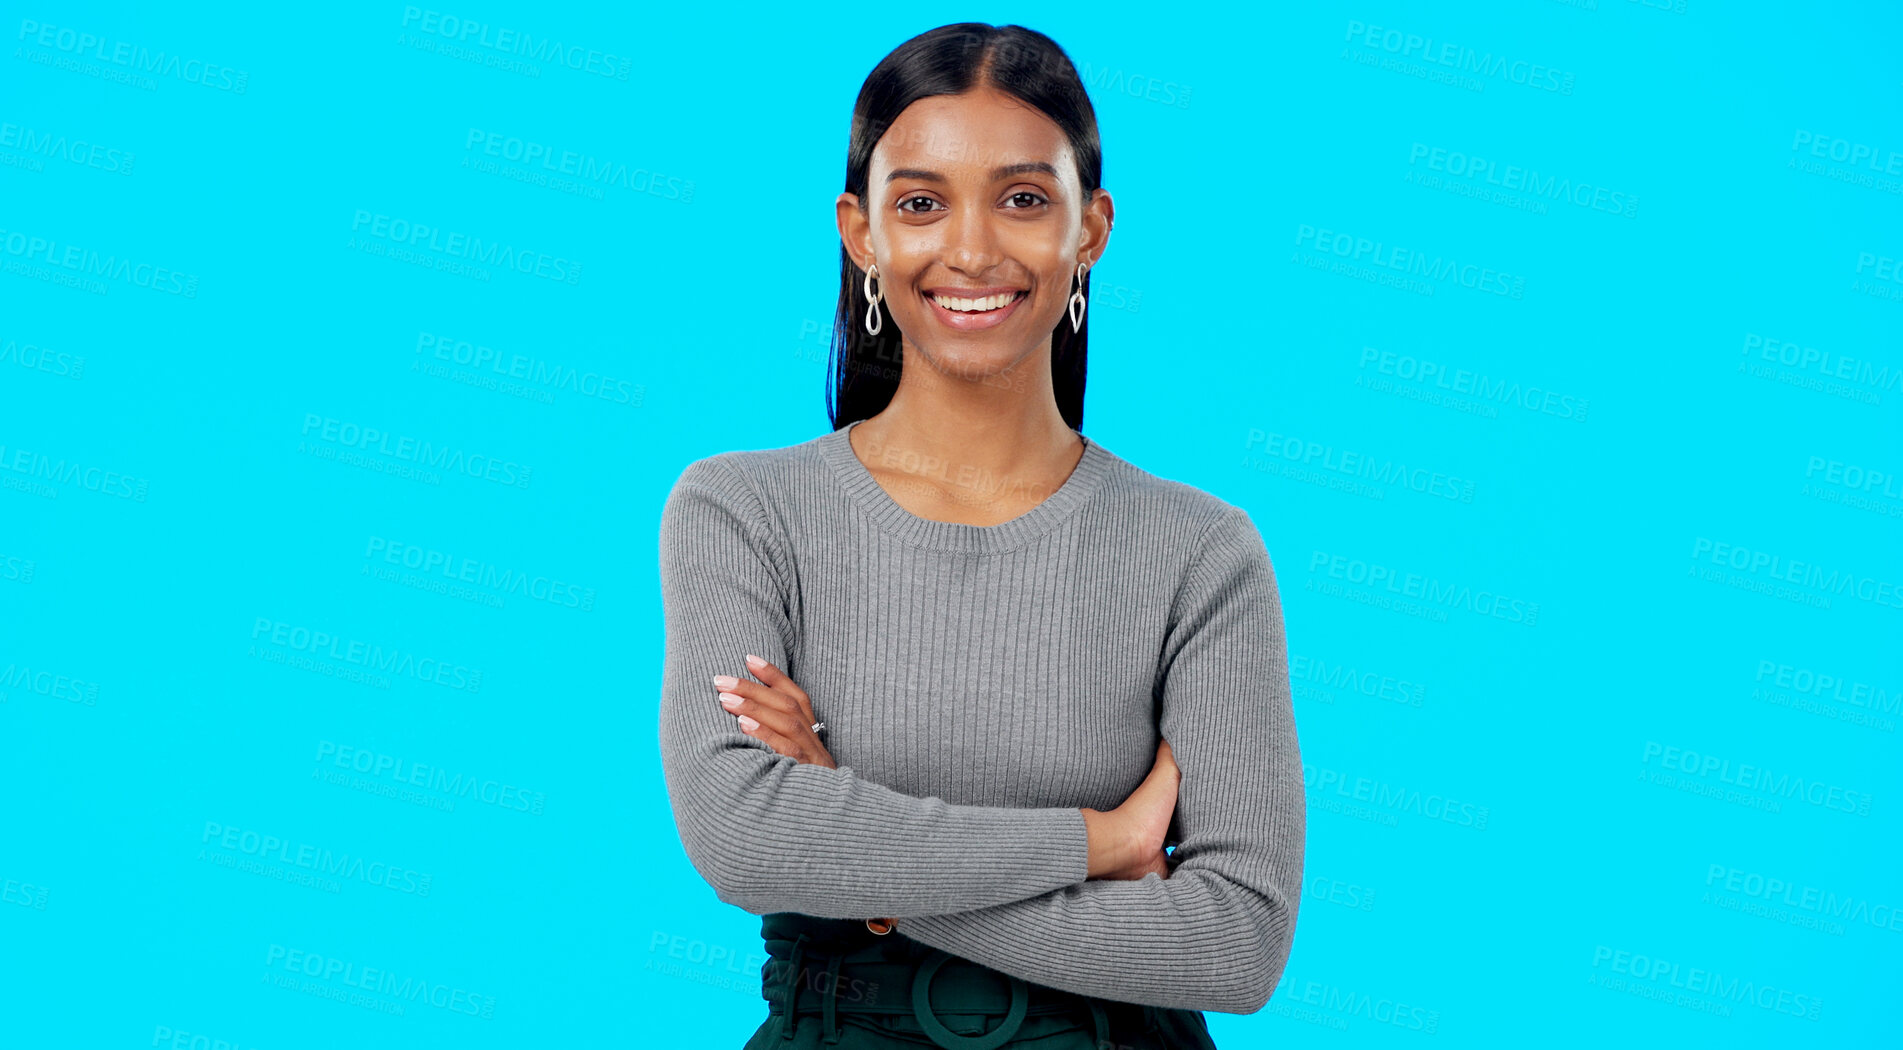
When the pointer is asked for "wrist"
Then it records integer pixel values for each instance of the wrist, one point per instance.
(1108, 842)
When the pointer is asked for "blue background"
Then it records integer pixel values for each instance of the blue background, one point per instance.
(187, 499)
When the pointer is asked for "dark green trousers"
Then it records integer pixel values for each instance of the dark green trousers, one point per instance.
(832, 984)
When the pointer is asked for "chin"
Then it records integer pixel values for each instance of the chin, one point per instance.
(975, 358)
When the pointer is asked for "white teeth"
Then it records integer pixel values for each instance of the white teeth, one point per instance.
(989, 302)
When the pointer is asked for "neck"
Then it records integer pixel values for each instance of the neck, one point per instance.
(998, 426)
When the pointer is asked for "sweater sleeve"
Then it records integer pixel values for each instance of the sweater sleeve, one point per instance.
(771, 834)
(1215, 935)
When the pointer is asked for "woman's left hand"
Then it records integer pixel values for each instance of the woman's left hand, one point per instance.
(775, 711)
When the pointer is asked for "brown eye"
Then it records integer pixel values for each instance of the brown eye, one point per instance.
(1035, 198)
(914, 200)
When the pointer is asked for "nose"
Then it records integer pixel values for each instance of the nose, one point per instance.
(972, 245)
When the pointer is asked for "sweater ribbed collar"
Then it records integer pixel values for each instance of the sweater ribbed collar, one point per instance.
(1084, 481)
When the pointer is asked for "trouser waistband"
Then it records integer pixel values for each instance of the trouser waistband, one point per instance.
(832, 967)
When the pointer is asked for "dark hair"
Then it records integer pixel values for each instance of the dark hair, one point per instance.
(951, 60)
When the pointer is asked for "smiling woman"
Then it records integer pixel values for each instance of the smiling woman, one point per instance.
(979, 642)
(974, 170)
(1032, 195)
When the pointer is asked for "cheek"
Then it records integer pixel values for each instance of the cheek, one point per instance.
(1057, 285)
(1054, 272)
(902, 271)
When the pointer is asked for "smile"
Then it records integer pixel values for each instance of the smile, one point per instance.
(973, 314)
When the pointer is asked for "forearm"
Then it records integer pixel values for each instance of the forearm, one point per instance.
(1194, 941)
(1109, 844)
(770, 834)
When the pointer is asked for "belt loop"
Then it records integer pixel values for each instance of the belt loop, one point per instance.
(1101, 1022)
(1149, 1018)
(792, 997)
(830, 1012)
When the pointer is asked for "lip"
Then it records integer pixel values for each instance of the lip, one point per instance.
(972, 293)
(966, 322)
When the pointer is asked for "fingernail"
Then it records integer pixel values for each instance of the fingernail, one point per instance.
(725, 681)
(755, 662)
(729, 701)
(748, 724)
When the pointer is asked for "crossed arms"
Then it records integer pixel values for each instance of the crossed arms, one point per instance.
(1003, 886)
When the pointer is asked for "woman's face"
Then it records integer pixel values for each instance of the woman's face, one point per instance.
(977, 221)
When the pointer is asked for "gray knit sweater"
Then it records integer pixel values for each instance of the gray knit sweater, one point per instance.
(978, 685)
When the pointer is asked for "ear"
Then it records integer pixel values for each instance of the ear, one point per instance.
(855, 229)
(1098, 215)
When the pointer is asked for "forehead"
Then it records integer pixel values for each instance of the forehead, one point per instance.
(970, 134)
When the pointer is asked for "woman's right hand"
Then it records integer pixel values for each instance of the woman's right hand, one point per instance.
(1127, 842)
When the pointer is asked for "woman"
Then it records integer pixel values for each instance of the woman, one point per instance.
(979, 643)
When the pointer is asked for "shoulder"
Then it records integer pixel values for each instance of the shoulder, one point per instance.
(742, 479)
(1216, 553)
(1174, 512)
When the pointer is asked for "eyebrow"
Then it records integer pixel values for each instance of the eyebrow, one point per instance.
(1004, 172)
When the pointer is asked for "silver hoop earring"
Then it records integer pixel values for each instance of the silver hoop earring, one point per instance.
(875, 320)
(1077, 301)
